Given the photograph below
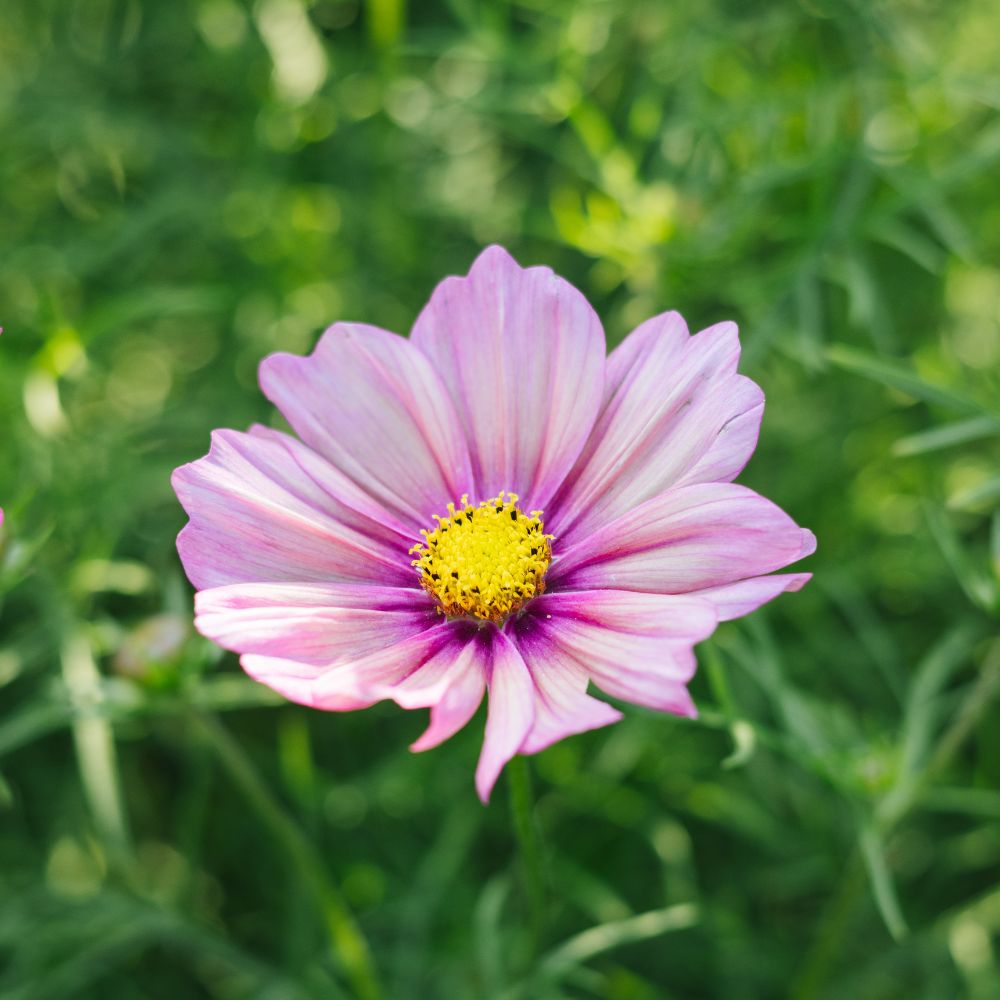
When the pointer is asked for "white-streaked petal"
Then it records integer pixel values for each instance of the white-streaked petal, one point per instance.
(674, 411)
(372, 404)
(649, 689)
(348, 685)
(453, 687)
(562, 706)
(686, 540)
(522, 354)
(316, 623)
(675, 617)
(646, 667)
(256, 517)
(733, 600)
(734, 444)
(510, 715)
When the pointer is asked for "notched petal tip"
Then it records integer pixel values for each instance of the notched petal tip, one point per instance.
(522, 354)
(498, 259)
(186, 479)
(183, 478)
(494, 255)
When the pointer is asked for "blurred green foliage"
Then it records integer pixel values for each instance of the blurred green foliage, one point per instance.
(188, 186)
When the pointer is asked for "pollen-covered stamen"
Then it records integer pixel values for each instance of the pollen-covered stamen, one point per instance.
(486, 561)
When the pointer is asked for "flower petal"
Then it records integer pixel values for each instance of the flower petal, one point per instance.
(633, 646)
(291, 679)
(734, 600)
(345, 686)
(371, 403)
(315, 623)
(511, 712)
(562, 706)
(257, 517)
(686, 540)
(331, 481)
(642, 684)
(522, 354)
(737, 438)
(673, 617)
(668, 401)
(453, 689)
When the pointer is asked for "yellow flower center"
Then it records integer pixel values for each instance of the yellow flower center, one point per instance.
(486, 561)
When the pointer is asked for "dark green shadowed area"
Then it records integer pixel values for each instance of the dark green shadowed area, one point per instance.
(187, 187)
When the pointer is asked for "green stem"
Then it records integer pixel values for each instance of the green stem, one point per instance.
(94, 739)
(976, 703)
(529, 842)
(346, 939)
(827, 941)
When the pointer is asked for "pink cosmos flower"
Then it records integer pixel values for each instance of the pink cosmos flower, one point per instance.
(491, 506)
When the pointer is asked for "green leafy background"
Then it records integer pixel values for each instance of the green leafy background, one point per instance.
(188, 186)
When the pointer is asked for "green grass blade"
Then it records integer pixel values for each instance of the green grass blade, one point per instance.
(597, 940)
(881, 882)
(948, 436)
(897, 376)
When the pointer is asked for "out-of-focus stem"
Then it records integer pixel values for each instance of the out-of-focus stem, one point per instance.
(346, 939)
(529, 843)
(94, 740)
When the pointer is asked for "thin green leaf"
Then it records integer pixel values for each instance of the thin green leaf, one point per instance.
(980, 495)
(32, 723)
(881, 881)
(591, 943)
(896, 376)
(585, 888)
(931, 678)
(921, 716)
(976, 802)
(948, 436)
(978, 587)
(995, 544)
(743, 734)
(866, 624)
(895, 233)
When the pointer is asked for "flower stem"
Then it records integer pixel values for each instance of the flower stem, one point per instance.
(346, 939)
(529, 842)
